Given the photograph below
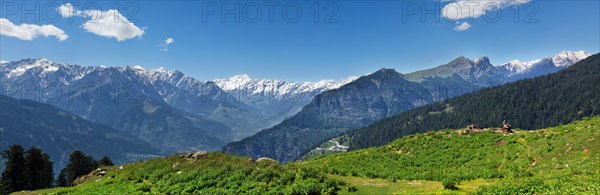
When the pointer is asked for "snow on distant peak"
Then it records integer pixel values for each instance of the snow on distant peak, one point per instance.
(568, 58)
(4, 62)
(43, 65)
(278, 88)
(561, 60)
(483, 59)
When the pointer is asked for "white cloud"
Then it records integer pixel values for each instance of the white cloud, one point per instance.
(3, 61)
(166, 43)
(30, 31)
(111, 23)
(462, 27)
(169, 41)
(461, 9)
(67, 10)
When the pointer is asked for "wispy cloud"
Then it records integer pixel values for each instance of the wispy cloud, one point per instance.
(462, 27)
(30, 31)
(165, 45)
(111, 23)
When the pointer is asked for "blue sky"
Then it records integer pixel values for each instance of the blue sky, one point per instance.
(361, 37)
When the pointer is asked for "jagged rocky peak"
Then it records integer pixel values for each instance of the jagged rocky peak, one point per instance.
(482, 61)
(386, 71)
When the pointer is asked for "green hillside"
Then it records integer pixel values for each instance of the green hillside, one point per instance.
(561, 160)
(214, 173)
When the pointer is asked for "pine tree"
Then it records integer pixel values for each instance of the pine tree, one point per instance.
(13, 176)
(61, 181)
(105, 161)
(38, 169)
(79, 164)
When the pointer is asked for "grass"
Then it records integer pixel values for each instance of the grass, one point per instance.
(216, 173)
(558, 160)
(382, 186)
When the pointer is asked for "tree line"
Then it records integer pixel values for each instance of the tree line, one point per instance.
(32, 169)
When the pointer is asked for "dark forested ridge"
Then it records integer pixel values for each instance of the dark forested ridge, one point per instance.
(545, 101)
(58, 133)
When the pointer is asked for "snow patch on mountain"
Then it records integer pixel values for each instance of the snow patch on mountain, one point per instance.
(275, 87)
(561, 60)
(568, 58)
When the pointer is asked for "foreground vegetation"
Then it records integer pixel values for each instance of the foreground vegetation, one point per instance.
(215, 173)
(558, 160)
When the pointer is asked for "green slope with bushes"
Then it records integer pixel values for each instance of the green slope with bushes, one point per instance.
(560, 160)
(215, 173)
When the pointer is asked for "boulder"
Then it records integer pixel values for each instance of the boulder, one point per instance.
(200, 154)
(266, 160)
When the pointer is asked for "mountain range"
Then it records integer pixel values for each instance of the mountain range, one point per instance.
(382, 94)
(166, 108)
(172, 112)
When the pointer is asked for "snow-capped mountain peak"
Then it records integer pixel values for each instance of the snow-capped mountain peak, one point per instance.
(42, 66)
(561, 60)
(275, 87)
(568, 58)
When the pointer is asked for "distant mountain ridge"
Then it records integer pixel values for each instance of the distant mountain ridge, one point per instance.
(130, 99)
(59, 133)
(167, 108)
(276, 99)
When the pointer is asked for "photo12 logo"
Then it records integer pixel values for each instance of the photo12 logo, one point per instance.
(492, 11)
(271, 11)
(52, 12)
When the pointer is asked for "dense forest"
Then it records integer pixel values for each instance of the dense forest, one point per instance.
(545, 101)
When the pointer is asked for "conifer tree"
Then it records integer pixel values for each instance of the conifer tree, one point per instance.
(38, 169)
(79, 164)
(105, 161)
(13, 176)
